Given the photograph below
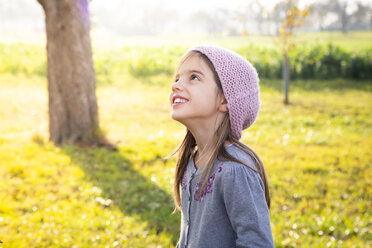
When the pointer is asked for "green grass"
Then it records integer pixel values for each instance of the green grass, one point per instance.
(315, 150)
(344, 56)
(349, 41)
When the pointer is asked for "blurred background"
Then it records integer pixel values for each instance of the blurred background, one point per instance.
(313, 132)
(121, 20)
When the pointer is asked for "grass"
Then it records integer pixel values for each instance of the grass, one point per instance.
(349, 41)
(315, 151)
(345, 56)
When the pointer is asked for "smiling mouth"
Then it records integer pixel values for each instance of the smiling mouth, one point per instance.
(179, 100)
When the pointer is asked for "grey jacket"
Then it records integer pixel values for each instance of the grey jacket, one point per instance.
(231, 212)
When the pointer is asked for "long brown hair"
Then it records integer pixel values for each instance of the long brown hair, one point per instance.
(188, 146)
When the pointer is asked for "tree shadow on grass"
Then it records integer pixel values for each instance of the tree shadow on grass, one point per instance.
(318, 85)
(132, 192)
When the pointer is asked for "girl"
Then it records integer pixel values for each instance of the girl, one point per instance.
(220, 184)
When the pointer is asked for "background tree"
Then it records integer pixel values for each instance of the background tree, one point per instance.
(278, 15)
(214, 22)
(260, 15)
(242, 15)
(73, 112)
(340, 9)
(294, 17)
(361, 18)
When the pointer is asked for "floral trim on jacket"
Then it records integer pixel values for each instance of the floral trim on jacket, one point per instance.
(208, 186)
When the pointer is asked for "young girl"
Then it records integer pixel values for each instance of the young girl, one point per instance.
(220, 184)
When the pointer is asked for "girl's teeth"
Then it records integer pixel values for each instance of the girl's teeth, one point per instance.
(178, 100)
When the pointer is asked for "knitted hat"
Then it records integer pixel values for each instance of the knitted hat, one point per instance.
(240, 86)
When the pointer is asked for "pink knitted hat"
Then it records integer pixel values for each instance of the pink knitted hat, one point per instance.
(240, 86)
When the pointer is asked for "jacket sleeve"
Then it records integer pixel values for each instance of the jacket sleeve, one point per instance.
(244, 198)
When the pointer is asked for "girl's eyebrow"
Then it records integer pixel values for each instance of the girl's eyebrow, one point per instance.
(192, 71)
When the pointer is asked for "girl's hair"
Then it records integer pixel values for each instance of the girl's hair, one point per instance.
(187, 148)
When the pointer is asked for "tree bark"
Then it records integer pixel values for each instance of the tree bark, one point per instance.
(73, 112)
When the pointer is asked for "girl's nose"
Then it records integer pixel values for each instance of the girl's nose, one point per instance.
(177, 86)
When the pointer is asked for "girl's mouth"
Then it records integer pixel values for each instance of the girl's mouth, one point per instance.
(178, 100)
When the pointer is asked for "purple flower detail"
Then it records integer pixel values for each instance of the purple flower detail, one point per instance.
(184, 183)
(208, 186)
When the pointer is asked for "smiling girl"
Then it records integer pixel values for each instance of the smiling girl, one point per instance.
(220, 184)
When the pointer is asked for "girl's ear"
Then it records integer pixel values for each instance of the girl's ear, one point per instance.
(223, 106)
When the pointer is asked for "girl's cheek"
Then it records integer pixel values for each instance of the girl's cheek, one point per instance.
(170, 97)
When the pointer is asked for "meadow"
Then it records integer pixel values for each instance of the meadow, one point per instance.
(316, 152)
(319, 59)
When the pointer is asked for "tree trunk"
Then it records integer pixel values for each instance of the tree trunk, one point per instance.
(286, 76)
(73, 113)
(344, 19)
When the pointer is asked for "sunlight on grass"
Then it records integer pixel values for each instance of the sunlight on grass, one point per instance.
(50, 202)
(315, 150)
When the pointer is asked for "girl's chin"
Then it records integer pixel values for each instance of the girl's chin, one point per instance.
(178, 118)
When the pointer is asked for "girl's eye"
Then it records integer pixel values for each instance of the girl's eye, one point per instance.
(193, 77)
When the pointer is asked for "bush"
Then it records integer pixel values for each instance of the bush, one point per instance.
(307, 61)
(328, 62)
(22, 59)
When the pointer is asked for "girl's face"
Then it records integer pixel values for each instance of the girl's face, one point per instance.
(194, 97)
